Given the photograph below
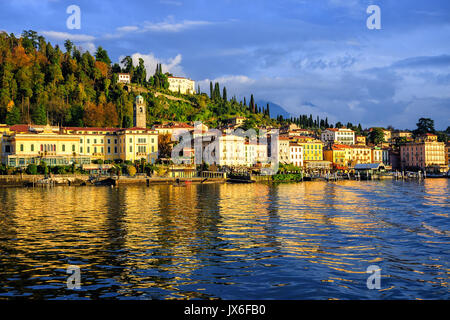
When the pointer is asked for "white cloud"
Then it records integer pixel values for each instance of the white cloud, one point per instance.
(127, 28)
(170, 25)
(57, 35)
(171, 65)
(88, 46)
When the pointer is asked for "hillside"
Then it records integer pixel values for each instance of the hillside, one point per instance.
(40, 83)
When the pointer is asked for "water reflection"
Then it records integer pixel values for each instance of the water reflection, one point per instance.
(231, 241)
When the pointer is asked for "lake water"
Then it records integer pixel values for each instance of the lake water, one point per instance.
(311, 240)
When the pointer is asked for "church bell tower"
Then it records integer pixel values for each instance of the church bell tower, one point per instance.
(139, 117)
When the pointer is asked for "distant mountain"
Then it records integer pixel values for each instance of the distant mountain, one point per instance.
(275, 109)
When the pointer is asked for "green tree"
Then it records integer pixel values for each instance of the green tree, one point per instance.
(252, 104)
(131, 170)
(68, 45)
(32, 169)
(376, 136)
(425, 125)
(224, 98)
(102, 55)
(39, 115)
(13, 116)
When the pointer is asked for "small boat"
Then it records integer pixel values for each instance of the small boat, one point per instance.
(105, 182)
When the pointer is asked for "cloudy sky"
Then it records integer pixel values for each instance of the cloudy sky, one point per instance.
(310, 56)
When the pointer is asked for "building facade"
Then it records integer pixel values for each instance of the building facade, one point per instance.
(182, 85)
(72, 145)
(423, 154)
(123, 78)
(338, 135)
(296, 154)
(31, 144)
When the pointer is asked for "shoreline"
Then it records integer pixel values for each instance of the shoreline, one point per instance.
(33, 181)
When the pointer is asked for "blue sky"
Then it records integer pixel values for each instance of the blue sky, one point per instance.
(310, 56)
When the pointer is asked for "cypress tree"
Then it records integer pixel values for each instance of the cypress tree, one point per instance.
(225, 94)
(211, 90)
(252, 104)
(268, 110)
(216, 95)
(245, 102)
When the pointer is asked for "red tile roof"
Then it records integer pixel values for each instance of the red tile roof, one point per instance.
(90, 129)
(20, 128)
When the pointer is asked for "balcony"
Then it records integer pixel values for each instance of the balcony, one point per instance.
(47, 153)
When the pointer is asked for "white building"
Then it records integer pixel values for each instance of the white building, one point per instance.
(123, 78)
(231, 151)
(338, 135)
(250, 153)
(261, 153)
(296, 154)
(283, 150)
(182, 85)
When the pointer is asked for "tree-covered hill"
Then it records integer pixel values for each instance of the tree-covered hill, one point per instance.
(40, 82)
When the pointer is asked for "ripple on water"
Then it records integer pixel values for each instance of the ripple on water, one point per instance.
(310, 240)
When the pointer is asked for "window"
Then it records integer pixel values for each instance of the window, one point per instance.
(63, 147)
(109, 141)
(73, 148)
(95, 149)
(115, 149)
(88, 141)
(109, 149)
(131, 140)
(81, 140)
(95, 141)
(88, 149)
(131, 149)
(81, 149)
(32, 147)
(21, 147)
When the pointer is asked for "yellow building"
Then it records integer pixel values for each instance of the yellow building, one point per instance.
(65, 146)
(312, 149)
(377, 155)
(361, 140)
(360, 154)
(339, 155)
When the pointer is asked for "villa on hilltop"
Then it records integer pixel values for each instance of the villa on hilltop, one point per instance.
(182, 85)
